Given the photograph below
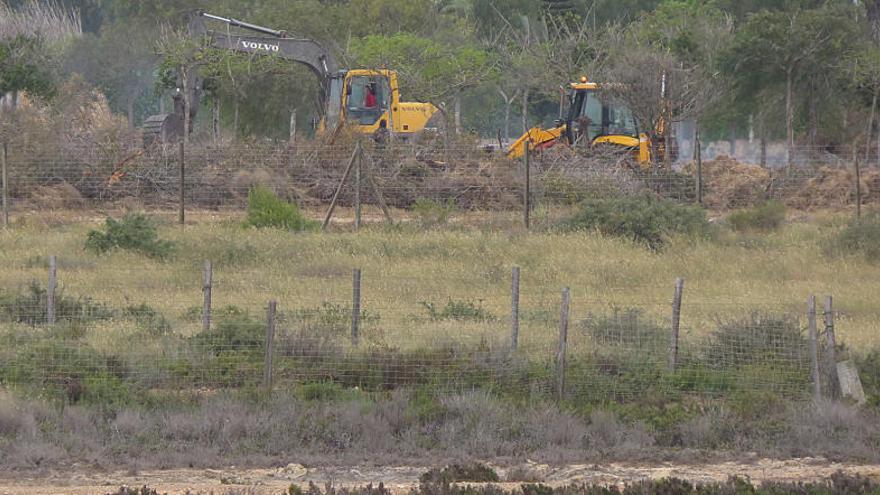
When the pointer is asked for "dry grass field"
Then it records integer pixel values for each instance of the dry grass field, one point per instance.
(405, 267)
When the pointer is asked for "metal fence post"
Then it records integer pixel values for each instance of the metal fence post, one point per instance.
(270, 346)
(355, 306)
(514, 309)
(563, 342)
(814, 346)
(50, 291)
(207, 283)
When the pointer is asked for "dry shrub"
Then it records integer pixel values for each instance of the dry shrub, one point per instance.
(75, 139)
(834, 430)
(56, 197)
(731, 184)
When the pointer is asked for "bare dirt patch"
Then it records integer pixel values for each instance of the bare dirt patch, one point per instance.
(401, 478)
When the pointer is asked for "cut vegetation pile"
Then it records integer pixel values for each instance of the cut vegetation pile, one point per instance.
(731, 184)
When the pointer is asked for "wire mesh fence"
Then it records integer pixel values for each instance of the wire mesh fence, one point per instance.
(71, 176)
(543, 348)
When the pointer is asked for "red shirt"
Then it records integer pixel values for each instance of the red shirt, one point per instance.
(370, 100)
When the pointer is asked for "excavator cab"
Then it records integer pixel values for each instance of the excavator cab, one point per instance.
(367, 98)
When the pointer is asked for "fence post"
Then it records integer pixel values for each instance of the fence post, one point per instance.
(858, 188)
(207, 283)
(355, 305)
(676, 319)
(5, 186)
(50, 291)
(563, 341)
(814, 346)
(514, 309)
(182, 187)
(292, 139)
(357, 192)
(830, 349)
(270, 346)
(527, 194)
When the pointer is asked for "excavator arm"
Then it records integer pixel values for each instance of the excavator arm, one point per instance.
(272, 43)
(305, 51)
(536, 138)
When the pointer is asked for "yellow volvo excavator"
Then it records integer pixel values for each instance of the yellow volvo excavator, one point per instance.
(589, 119)
(367, 100)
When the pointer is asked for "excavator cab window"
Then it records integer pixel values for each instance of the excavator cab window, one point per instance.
(367, 98)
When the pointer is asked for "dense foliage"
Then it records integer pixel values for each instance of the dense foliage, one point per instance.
(805, 71)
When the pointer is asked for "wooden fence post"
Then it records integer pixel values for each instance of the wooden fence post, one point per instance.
(207, 283)
(563, 342)
(50, 291)
(270, 346)
(182, 186)
(830, 350)
(814, 346)
(527, 194)
(355, 305)
(5, 186)
(676, 319)
(514, 309)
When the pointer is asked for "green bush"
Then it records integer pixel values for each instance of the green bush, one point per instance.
(265, 209)
(764, 218)
(458, 310)
(859, 237)
(135, 232)
(433, 213)
(30, 307)
(757, 340)
(644, 219)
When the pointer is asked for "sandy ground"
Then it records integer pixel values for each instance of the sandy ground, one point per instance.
(401, 478)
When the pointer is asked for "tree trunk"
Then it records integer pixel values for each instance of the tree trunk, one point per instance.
(130, 112)
(870, 127)
(731, 128)
(507, 104)
(814, 116)
(186, 122)
(215, 118)
(789, 117)
(525, 111)
(457, 112)
(235, 106)
(762, 129)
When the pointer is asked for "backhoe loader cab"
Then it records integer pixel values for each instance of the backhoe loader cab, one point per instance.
(593, 119)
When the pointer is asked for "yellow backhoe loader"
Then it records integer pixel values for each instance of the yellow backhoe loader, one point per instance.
(596, 122)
